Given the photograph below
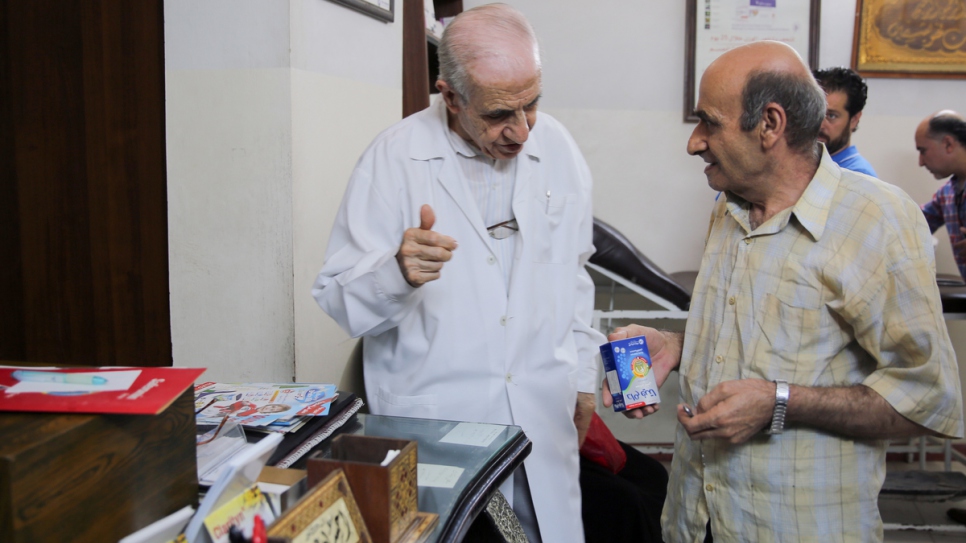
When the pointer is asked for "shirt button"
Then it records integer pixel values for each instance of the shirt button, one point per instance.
(719, 359)
(731, 301)
(491, 259)
(709, 488)
(509, 378)
(503, 320)
(747, 241)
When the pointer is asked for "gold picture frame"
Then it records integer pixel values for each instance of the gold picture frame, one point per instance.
(326, 514)
(910, 38)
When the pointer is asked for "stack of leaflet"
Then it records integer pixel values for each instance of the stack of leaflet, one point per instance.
(263, 407)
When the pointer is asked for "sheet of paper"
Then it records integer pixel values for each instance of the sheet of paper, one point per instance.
(53, 381)
(437, 476)
(472, 433)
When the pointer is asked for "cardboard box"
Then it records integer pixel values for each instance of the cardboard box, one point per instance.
(627, 365)
(94, 478)
(282, 487)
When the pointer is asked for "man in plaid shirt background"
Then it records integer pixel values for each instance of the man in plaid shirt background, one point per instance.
(941, 142)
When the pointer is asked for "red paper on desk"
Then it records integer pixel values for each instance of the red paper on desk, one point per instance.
(119, 390)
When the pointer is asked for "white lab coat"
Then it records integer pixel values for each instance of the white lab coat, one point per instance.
(460, 348)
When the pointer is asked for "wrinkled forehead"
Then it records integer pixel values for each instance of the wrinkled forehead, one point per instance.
(720, 89)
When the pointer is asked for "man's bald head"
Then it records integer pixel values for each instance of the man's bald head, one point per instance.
(946, 122)
(941, 142)
(488, 42)
(767, 72)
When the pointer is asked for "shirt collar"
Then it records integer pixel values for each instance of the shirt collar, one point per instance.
(462, 146)
(844, 153)
(811, 209)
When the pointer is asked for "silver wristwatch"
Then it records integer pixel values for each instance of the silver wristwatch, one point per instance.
(781, 404)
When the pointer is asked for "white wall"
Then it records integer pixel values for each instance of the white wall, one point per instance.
(268, 105)
(347, 87)
(614, 75)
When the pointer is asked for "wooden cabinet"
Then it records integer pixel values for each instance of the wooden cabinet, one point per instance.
(94, 478)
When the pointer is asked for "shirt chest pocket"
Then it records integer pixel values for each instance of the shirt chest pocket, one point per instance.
(554, 228)
(796, 332)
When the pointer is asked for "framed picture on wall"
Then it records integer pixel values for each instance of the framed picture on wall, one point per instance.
(716, 26)
(910, 38)
(380, 9)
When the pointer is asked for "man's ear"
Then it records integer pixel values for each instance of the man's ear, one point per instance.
(949, 143)
(449, 95)
(773, 124)
(854, 122)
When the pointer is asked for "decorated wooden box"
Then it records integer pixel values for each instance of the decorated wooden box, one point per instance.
(386, 494)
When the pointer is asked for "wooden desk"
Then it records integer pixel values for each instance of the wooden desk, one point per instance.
(485, 467)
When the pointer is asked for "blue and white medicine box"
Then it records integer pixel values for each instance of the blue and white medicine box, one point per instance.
(627, 365)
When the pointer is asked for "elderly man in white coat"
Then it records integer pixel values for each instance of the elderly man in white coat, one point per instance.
(498, 330)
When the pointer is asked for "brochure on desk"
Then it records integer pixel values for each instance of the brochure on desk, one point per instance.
(275, 405)
(104, 390)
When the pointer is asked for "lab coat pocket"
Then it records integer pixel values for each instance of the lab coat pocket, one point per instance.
(422, 406)
(555, 229)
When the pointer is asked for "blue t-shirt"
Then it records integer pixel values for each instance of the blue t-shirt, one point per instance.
(850, 159)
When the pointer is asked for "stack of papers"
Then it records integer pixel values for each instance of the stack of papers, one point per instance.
(266, 407)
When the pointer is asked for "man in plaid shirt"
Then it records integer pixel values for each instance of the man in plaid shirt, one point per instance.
(815, 332)
(941, 142)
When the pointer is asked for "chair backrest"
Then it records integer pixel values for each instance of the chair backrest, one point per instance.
(617, 254)
(353, 378)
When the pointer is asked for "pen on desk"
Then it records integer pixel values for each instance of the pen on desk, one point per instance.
(57, 377)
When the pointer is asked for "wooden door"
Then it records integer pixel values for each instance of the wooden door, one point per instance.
(83, 201)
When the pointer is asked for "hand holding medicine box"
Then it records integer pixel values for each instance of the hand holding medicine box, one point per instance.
(627, 365)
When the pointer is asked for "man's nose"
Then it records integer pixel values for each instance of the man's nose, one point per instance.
(517, 129)
(696, 144)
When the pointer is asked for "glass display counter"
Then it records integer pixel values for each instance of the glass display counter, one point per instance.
(485, 467)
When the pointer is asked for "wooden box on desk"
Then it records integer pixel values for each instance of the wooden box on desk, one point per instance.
(79, 478)
(386, 495)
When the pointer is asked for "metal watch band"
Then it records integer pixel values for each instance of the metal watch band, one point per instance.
(781, 404)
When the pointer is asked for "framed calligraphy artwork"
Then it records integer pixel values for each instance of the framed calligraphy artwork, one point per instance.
(716, 26)
(910, 38)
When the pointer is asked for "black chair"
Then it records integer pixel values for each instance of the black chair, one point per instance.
(618, 264)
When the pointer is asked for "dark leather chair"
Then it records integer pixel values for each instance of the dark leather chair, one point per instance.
(620, 262)
(952, 292)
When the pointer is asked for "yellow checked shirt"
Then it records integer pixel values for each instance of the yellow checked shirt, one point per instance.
(838, 290)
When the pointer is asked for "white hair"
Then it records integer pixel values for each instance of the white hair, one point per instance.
(483, 32)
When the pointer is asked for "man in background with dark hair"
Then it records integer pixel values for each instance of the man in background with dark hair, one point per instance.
(941, 142)
(845, 94)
